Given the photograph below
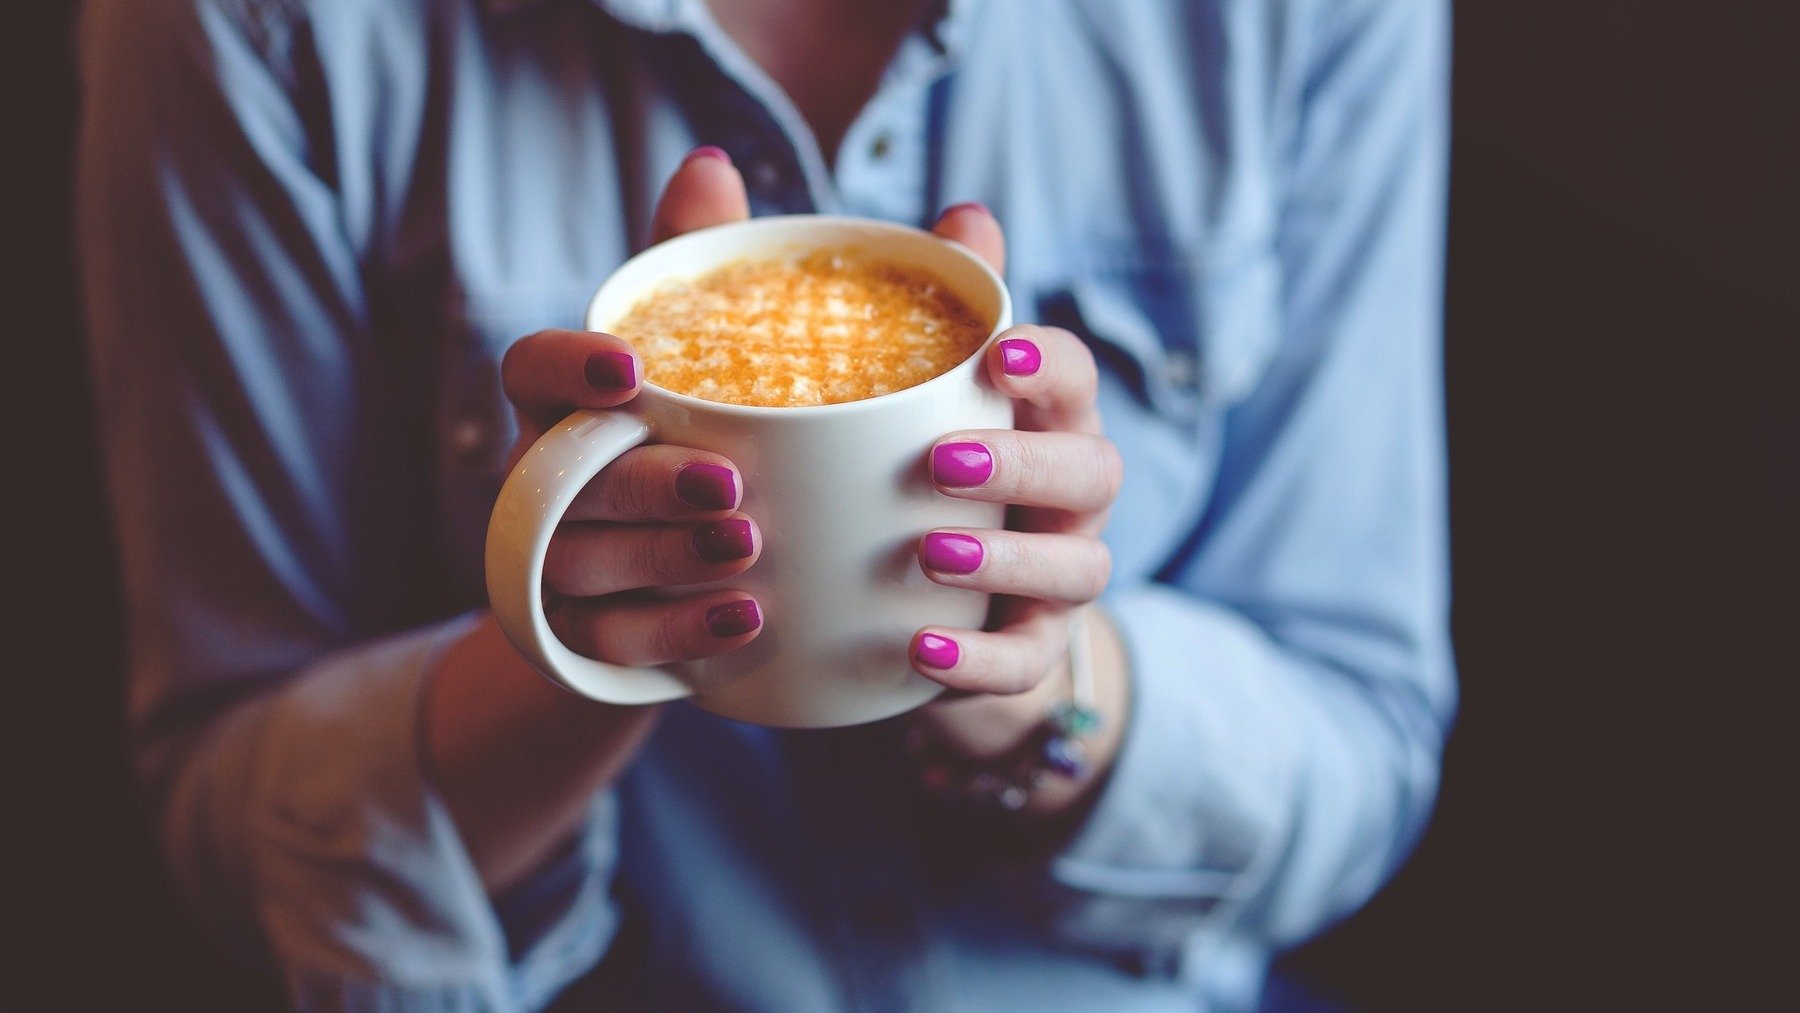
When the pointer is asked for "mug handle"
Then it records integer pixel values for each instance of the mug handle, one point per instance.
(531, 503)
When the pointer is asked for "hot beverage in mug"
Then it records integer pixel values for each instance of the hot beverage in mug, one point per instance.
(834, 325)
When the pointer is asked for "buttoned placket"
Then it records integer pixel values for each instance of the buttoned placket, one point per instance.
(881, 169)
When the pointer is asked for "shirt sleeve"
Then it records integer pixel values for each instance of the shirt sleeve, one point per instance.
(1291, 671)
(268, 464)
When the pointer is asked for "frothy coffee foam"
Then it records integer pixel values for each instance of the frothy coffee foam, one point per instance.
(833, 326)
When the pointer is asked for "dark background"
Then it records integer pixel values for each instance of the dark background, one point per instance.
(1622, 334)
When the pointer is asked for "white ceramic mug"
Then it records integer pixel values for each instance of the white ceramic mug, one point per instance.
(841, 493)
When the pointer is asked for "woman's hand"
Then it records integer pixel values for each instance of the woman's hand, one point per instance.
(1058, 476)
(659, 515)
(517, 759)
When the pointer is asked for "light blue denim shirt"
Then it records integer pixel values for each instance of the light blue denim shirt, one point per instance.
(311, 227)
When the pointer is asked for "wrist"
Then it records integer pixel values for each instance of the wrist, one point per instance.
(516, 758)
(1062, 797)
(1039, 755)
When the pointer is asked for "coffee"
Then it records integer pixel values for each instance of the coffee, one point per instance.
(829, 327)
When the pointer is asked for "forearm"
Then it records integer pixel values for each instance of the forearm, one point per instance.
(302, 824)
(516, 759)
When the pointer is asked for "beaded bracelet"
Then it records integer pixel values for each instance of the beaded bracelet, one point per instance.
(1052, 749)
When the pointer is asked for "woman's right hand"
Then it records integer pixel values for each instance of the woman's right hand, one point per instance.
(658, 516)
(516, 758)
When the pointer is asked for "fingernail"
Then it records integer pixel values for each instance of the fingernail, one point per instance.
(706, 487)
(724, 541)
(1019, 357)
(938, 652)
(707, 151)
(961, 464)
(611, 371)
(968, 205)
(734, 618)
(952, 553)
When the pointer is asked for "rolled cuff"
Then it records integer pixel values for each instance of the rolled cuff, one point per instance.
(1178, 836)
(352, 867)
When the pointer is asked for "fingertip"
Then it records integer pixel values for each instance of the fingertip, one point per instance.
(974, 226)
(1018, 357)
(728, 541)
(711, 151)
(935, 653)
(734, 619)
(613, 371)
(703, 486)
(950, 552)
(972, 206)
(706, 190)
(961, 464)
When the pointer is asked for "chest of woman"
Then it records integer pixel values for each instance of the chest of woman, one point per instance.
(1139, 215)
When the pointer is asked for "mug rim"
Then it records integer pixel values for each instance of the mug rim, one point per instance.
(1002, 313)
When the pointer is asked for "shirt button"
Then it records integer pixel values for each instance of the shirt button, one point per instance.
(1184, 368)
(881, 146)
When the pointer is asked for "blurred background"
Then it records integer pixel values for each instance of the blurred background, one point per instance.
(1623, 333)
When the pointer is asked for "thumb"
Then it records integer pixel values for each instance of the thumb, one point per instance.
(974, 226)
(706, 190)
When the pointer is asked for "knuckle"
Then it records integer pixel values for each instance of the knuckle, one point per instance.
(649, 563)
(1034, 466)
(1023, 678)
(1078, 370)
(636, 493)
(625, 489)
(1111, 468)
(675, 635)
(1100, 573)
(512, 366)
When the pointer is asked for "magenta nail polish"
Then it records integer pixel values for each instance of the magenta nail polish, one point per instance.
(938, 652)
(706, 487)
(1019, 357)
(968, 205)
(708, 151)
(949, 552)
(724, 541)
(611, 371)
(734, 618)
(961, 464)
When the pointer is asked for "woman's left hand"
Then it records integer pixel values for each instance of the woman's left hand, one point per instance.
(1058, 476)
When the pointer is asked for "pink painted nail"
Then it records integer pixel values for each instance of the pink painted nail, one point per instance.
(949, 552)
(961, 464)
(968, 205)
(706, 486)
(724, 541)
(611, 371)
(938, 652)
(734, 618)
(1019, 357)
(707, 151)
